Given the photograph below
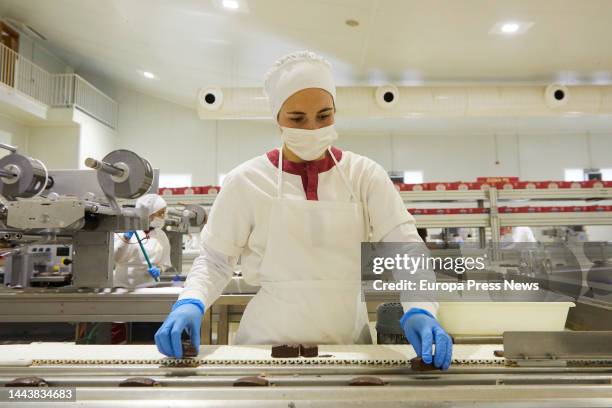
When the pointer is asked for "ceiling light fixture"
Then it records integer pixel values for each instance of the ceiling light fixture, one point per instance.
(148, 75)
(230, 4)
(510, 27)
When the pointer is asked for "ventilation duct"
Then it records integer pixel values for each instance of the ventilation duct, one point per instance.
(449, 101)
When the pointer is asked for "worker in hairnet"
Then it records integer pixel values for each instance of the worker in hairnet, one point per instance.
(131, 267)
(296, 216)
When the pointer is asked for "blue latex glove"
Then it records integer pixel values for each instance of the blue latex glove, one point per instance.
(186, 315)
(154, 272)
(423, 331)
(128, 235)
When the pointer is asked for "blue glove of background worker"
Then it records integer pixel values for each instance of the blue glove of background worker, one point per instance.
(128, 235)
(154, 272)
(187, 315)
(423, 331)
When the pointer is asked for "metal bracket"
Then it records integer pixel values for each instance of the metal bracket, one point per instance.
(36, 214)
(555, 348)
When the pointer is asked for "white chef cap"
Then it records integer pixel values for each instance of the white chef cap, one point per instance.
(294, 72)
(152, 202)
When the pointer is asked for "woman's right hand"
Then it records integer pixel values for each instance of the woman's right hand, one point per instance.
(186, 315)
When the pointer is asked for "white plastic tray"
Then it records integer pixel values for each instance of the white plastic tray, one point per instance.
(494, 318)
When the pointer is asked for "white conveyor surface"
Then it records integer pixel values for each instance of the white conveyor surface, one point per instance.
(9, 354)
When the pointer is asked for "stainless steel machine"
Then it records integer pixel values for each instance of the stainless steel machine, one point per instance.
(39, 265)
(182, 220)
(56, 227)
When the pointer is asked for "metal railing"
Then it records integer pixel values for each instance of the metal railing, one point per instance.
(92, 101)
(56, 90)
(21, 74)
(62, 90)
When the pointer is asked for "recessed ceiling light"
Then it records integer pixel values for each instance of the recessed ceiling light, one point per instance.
(148, 75)
(510, 27)
(230, 4)
(234, 6)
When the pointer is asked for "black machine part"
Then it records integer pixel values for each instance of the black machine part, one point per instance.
(388, 328)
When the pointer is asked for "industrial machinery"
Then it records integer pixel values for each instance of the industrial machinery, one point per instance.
(534, 369)
(39, 265)
(57, 226)
(186, 219)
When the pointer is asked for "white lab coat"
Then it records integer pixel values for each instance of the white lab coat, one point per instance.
(519, 235)
(131, 269)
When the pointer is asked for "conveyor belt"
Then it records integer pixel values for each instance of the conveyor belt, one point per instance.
(45, 354)
(377, 355)
(478, 379)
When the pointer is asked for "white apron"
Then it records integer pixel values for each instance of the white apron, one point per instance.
(309, 274)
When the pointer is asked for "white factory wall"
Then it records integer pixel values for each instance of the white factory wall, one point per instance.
(56, 146)
(170, 136)
(177, 142)
(441, 157)
(40, 56)
(95, 138)
(13, 133)
(465, 156)
(62, 146)
(174, 139)
(238, 141)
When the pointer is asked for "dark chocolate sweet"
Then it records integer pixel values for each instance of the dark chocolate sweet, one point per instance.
(286, 351)
(251, 382)
(307, 350)
(417, 364)
(139, 382)
(189, 349)
(366, 381)
(27, 382)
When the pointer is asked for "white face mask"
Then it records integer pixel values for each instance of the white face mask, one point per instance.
(157, 222)
(309, 144)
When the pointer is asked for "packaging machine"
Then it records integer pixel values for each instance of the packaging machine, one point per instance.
(58, 226)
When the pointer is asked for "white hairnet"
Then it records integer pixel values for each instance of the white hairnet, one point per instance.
(152, 202)
(295, 72)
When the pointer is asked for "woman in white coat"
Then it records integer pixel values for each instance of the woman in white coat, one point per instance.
(296, 216)
(131, 268)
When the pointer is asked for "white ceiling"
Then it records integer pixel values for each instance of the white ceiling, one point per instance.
(190, 44)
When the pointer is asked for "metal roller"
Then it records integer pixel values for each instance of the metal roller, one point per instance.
(22, 176)
(197, 215)
(123, 174)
